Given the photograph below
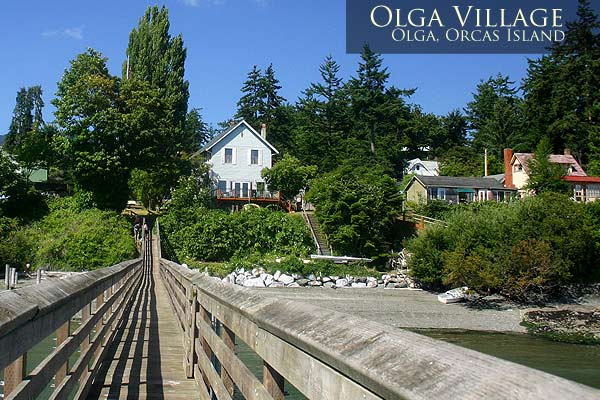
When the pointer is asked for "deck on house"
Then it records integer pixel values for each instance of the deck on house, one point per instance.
(145, 361)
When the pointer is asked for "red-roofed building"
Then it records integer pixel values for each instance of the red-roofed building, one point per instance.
(516, 174)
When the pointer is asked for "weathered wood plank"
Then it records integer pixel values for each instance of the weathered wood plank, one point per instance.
(45, 370)
(388, 362)
(29, 315)
(250, 387)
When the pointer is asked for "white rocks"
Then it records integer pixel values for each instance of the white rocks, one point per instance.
(286, 279)
(268, 279)
(258, 277)
(341, 283)
(239, 280)
(254, 282)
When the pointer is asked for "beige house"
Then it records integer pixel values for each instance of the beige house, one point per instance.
(516, 174)
(455, 190)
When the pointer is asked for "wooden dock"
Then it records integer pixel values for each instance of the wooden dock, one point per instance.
(146, 359)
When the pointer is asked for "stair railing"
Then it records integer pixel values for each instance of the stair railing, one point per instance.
(312, 232)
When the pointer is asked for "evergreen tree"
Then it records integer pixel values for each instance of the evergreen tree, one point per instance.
(27, 115)
(251, 105)
(261, 104)
(322, 119)
(562, 91)
(380, 114)
(494, 115)
(545, 176)
(270, 87)
(196, 130)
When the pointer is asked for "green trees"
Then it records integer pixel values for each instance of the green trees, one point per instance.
(155, 94)
(522, 249)
(159, 59)
(95, 143)
(357, 208)
(322, 120)
(29, 139)
(289, 176)
(562, 91)
(494, 115)
(545, 176)
(261, 104)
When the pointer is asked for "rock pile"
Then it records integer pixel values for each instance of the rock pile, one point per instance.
(258, 277)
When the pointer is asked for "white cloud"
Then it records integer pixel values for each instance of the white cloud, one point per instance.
(73, 33)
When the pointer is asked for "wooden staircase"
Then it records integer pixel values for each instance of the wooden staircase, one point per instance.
(319, 238)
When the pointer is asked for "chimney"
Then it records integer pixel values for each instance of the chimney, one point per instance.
(567, 151)
(263, 131)
(508, 175)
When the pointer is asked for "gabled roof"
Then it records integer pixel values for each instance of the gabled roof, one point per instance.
(429, 165)
(460, 182)
(563, 159)
(230, 129)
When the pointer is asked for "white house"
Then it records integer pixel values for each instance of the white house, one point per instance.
(237, 156)
(424, 168)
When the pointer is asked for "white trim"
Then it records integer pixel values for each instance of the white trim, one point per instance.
(252, 130)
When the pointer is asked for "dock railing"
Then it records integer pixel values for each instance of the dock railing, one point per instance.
(330, 355)
(31, 314)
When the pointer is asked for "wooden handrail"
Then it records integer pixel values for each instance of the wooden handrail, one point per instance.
(312, 232)
(30, 314)
(330, 355)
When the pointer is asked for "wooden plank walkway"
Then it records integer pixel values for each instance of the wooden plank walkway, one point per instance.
(146, 359)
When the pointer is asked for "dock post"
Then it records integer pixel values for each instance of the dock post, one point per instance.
(38, 276)
(7, 276)
(13, 278)
(273, 382)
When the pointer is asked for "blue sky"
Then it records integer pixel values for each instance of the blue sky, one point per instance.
(224, 39)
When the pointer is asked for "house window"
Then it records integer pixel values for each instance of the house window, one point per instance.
(222, 186)
(228, 156)
(418, 167)
(254, 157)
(518, 168)
(573, 168)
(441, 193)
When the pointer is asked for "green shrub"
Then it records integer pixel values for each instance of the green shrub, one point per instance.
(522, 249)
(73, 240)
(427, 261)
(214, 235)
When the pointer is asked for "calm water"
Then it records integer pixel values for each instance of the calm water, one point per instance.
(576, 362)
(580, 363)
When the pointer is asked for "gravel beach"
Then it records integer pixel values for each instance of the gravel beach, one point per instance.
(415, 309)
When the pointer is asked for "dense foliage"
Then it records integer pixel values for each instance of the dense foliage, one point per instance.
(358, 209)
(214, 235)
(68, 238)
(522, 249)
(289, 176)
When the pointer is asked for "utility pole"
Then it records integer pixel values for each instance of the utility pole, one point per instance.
(485, 158)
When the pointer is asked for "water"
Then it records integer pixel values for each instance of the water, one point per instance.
(576, 362)
(579, 363)
(38, 353)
